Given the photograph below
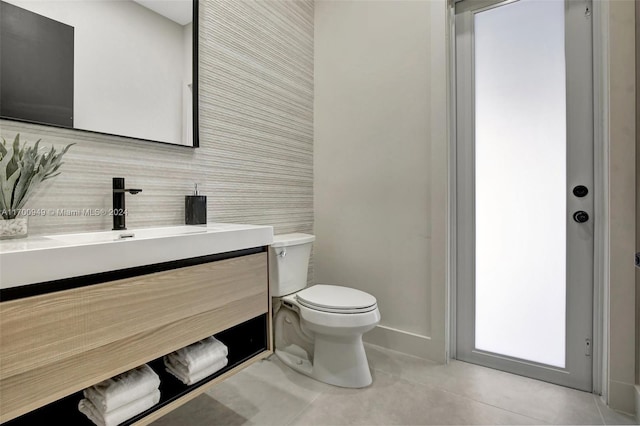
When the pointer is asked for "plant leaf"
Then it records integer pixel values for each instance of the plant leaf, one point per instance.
(12, 164)
(24, 182)
(4, 177)
(22, 170)
(7, 189)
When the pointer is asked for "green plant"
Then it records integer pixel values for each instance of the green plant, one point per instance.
(22, 170)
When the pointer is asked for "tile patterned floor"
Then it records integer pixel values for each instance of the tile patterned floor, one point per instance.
(406, 391)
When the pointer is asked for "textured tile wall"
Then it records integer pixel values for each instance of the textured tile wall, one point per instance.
(255, 161)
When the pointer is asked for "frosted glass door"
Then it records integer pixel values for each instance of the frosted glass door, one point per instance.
(520, 181)
(524, 141)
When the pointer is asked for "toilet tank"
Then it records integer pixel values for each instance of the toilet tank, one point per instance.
(288, 263)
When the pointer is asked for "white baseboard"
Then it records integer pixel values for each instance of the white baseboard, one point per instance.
(638, 403)
(622, 397)
(406, 342)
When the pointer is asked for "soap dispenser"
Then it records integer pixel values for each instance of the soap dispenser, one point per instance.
(195, 208)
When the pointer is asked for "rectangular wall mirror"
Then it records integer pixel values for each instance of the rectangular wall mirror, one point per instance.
(117, 67)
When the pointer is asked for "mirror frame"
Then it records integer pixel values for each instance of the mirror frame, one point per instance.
(194, 95)
(194, 71)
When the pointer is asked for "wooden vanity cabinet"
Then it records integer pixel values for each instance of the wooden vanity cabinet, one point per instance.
(55, 344)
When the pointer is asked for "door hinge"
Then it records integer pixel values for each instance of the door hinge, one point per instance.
(587, 347)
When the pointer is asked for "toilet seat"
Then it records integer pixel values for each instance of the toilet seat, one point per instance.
(336, 299)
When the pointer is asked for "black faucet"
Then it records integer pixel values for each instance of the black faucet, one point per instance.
(119, 215)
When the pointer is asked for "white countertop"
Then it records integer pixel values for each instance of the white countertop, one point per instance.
(52, 257)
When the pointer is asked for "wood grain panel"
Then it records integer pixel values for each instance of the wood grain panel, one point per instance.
(40, 330)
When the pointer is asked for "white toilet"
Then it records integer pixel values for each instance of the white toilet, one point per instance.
(318, 330)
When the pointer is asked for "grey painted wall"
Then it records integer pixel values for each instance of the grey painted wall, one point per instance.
(255, 162)
(621, 216)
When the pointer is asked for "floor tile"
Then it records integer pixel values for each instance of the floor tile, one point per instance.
(406, 391)
(267, 393)
(200, 411)
(612, 417)
(391, 400)
(543, 401)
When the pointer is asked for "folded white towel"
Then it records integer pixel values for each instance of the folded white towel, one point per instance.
(182, 372)
(123, 388)
(203, 359)
(188, 379)
(200, 355)
(119, 415)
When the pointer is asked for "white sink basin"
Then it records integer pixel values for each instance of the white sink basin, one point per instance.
(127, 235)
(47, 258)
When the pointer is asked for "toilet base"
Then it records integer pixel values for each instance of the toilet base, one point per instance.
(349, 370)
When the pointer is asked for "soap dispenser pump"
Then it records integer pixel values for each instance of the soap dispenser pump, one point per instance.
(195, 208)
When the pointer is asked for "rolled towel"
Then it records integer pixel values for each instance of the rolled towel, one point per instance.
(118, 415)
(188, 379)
(123, 388)
(200, 355)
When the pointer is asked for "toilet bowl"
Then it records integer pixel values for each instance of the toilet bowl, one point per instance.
(318, 330)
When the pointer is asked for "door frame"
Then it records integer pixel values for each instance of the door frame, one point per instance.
(600, 200)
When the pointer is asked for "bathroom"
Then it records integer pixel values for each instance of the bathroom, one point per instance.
(335, 119)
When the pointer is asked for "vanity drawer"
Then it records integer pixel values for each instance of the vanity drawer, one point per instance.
(59, 343)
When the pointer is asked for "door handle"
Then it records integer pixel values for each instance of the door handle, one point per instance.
(581, 216)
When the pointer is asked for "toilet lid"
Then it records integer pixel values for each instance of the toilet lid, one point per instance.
(334, 298)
